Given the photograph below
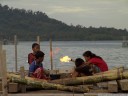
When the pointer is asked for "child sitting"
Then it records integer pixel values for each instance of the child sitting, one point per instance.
(81, 68)
(36, 69)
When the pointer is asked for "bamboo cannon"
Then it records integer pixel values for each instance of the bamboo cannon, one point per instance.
(104, 76)
(43, 84)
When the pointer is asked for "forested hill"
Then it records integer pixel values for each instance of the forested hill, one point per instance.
(27, 24)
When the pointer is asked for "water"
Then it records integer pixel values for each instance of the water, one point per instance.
(111, 51)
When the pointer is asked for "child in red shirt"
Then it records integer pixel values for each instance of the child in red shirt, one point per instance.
(31, 56)
(95, 60)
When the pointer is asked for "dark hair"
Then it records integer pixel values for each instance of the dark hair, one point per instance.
(35, 44)
(79, 62)
(90, 54)
(39, 54)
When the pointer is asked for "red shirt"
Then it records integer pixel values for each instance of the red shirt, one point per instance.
(99, 63)
(31, 58)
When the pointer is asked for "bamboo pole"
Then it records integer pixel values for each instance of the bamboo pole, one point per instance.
(15, 42)
(51, 54)
(38, 39)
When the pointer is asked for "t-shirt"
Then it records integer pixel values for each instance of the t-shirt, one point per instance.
(99, 63)
(33, 66)
(31, 58)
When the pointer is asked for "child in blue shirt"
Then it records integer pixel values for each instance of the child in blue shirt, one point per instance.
(36, 69)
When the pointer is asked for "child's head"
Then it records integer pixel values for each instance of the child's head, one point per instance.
(79, 62)
(35, 47)
(39, 56)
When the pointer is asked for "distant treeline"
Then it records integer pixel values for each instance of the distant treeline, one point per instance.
(27, 24)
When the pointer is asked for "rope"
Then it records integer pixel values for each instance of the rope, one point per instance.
(121, 76)
(102, 76)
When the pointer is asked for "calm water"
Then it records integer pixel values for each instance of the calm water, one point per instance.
(111, 51)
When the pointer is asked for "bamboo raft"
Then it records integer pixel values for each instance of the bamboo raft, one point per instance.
(112, 81)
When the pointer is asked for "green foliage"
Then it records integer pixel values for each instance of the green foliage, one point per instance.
(27, 24)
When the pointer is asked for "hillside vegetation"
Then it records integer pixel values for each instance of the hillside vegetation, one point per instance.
(27, 24)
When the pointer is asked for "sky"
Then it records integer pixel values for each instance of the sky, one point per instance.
(96, 13)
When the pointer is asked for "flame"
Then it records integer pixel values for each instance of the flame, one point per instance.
(65, 59)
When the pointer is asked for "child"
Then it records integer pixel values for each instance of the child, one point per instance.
(31, 56)
(81, 68)
(36, 69)
(99, 65)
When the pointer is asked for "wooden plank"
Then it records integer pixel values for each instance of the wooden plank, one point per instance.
(123, 84)
(98, 91)
(47, 94)
(90, 94)
(112, 86)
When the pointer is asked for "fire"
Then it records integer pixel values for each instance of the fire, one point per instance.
(65, 59)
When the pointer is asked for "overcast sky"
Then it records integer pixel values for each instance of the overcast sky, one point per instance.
(96, 13)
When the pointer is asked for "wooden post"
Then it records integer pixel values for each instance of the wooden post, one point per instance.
(15, 42)
(3, 72)
(51, 54)
(112, 86)
(123, 84)
(22, 74)
(1, 45)
(38, 39)
(0, 67)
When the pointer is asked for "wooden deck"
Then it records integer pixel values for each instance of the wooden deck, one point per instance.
(46, 94)
(53, 94)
